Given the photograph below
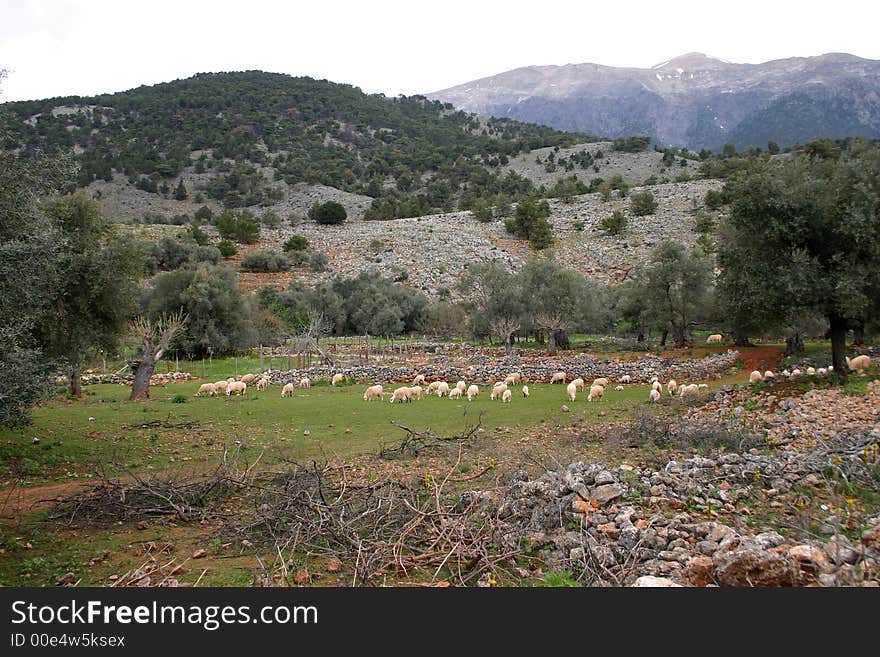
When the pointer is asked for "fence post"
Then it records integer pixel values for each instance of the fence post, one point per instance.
(261, 357)
(236, 364)
(203, 367)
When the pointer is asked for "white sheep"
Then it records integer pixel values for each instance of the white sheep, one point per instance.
(373, 392)
(822, 371)
(559, 377)
(859, 363)
(401, 394)
(602, 381)
(206, 388)
(571, 390)
(220, 386)
(455, 393)
(473, 392)
(247, 378)
(337, 378)
(579, 383)
(626, 378)
(506, 396)
(525, 391)
(654, 395)
(236, 387)
(305, 382)
(755, 376)
(432, 387)
(498, 390)
(786, 373)
(692, 390)
(715, 337)
(769, 375)
(287, 390)
(596, 392)
(262, 383)
(442, 388)
(231, 379)
(811, 371)
(462, 386)
(416, 392)
(653, 380)
(656, 385)
(619, 388)
(795, 373)
(419, 380)
(671, 385)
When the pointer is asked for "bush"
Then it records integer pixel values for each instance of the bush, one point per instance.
(643, 204)
(265, 261)
(241, 228)
(270, 218)
(317, 261)
(296, 243)
(714, 199)
(204, 214)
(227, 249)
(199, 236)
(330, 212)
(578, 225)
(614, 224)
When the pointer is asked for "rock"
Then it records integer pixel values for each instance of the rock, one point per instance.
(333, 565)
(605, 477)
(840, 550)
(577, 554)
(871, 538)
(651, 581)
(767, 540)
(701, 571)
(811, 560)
(754, 567)
(67, 579)
(605, 494)
(565, 409)
(610, 530)
(199, 554)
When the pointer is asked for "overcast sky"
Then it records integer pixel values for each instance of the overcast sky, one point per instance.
(84, 47)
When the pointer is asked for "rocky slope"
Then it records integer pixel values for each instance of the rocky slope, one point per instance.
(693, 100)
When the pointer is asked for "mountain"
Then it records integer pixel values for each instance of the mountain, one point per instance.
(244, 138)
(694, 100)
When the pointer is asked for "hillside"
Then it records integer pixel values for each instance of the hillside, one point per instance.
(692, 101)
(245, 139)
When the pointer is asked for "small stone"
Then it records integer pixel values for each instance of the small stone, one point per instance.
(67, 579)
(306, 432)
(576, 554)
(651, 581)
(604, 477)
(198, 554)
(605, 494)
(565, 409)
(610, 530)
(334, 565)
(810, 559)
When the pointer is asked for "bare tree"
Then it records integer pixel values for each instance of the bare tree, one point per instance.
(505, 327)
(556, 326)
(154, 337)
(310, 332)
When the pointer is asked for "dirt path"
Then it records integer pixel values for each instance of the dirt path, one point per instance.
(17, 501)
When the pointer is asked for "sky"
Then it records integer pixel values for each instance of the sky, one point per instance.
(85, 47)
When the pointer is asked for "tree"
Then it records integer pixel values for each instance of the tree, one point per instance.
(227, 248)
(643, 204)
(180, 192)
(530, 223)
(505, 328)
(810, 227)
(296, 243)
(614, 224)
(772, 147)
(95, 294)
(673, 288)
(330, 212)
(242, 228)
(153, 337)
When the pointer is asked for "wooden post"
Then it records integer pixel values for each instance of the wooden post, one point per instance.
(203, 367)
(176, 364)
(261, 357)
(236, 364)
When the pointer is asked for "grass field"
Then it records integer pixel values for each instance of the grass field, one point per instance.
(175, 429)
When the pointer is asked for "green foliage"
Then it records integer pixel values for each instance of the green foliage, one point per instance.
(643, 204)
(483, 211)
(204, 214)
(714, 199)
(530, 223)
(265, 261)
(199, 236)
(179, 399)
(563, 578)
(173, 252)
(296, 243)
(270, 218)
(227, 248)
(615, 223)
(180, 192)
(330, 213)
(242, 228)
(578, 225)
(631, 144)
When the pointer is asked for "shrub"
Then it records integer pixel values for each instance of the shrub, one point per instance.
(227, 249)
(241, 228)
(330, 212)
(270, 218)
(205, 214)
(578, 225)
(265, 261)
(714, 199)
(643, 204)
(317, 261)
(296, 243)
(614, 224)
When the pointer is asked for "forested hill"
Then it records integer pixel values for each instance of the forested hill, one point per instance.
(306, 130)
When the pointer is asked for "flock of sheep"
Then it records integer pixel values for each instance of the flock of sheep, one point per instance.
(858, 364)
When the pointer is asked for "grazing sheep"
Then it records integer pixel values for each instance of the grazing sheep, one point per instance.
(811, 371)
(525, 391)
(498, 390)
(701, 386)
(442, 388)
(601, 382)
(432, 387)
(419, 380)
(262, 383)
(619, 388)
(579, 383)
(514, 379)
(692, 390)
(559, 377)
(231, 379)
(305, 382)
(626, 378)
(859, 363)
(462, 386)
(653, 380)
(248, 378)
(786, 373)
(822, 371)
(795, 373)
(337, 378)
(571, 390)
(287, 390)
(654, 395)
(455, 393)
(473, 392)
(506, 396)
(755, 376)
(656, 385)
(715, 337)
(374, 392)
(236, 387)
(206, 388)
(416, 391)
(671, 385)
(401, 394)
(220, 386)
(769, 375)
(596, 392)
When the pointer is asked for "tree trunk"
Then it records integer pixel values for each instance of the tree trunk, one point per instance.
(794, 345)
(838, 346)
(140, 387)
(858, 328)
(663, 337)
(640, 337)
(74, 383)
(560, 338)
(551, 340)
(741, 340)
